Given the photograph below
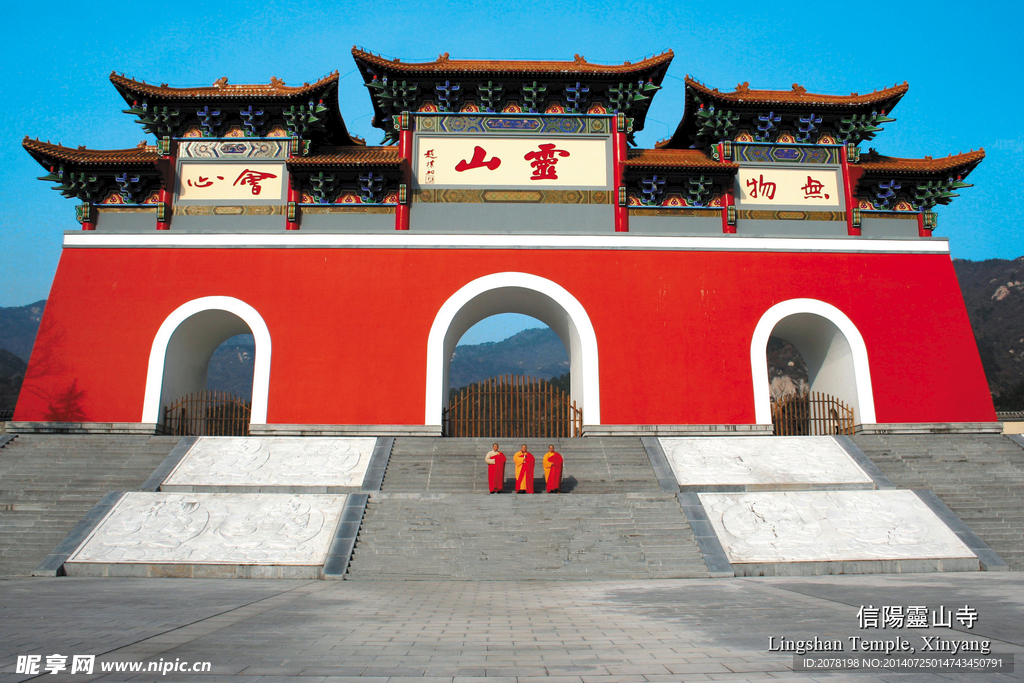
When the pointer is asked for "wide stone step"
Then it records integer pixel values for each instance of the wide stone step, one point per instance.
(49, 482)
(467, 536)
(592, 465)
(980, 478)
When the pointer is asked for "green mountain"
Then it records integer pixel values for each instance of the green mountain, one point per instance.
(535, 352)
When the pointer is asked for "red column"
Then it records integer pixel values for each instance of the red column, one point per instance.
(87, 215)
(848, 193)
(922, 231)
(165, 207)
(727, 198)
(404, 151)
(292, 209)
(619, 155)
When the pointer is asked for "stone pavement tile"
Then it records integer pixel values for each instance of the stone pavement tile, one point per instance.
(355, 679)
(485, 679)
(421, 679)
(519, 671)
(392, 672)
(549, 679)
(698, 668)
(606, 678)
(270, 670)
(740, 667)
(290, 679)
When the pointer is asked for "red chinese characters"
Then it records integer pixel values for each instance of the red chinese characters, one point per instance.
(478, 161)
(757, 187)
(252, 178)
(813, 189)
(202, 181)
(544, 161)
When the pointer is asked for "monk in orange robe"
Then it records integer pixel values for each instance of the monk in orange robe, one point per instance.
(495, 460)
(524, 470)
(553, 470)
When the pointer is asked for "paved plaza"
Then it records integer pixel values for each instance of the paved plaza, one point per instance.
(255, 631)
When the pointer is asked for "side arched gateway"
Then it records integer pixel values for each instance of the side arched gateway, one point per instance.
(835, 353)
(184, 343)
(523, 293)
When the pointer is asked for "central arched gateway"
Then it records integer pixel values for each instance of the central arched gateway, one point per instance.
(523, 293)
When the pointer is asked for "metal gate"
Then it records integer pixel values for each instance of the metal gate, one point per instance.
(513, 406)
(208, 413)
(811, 414)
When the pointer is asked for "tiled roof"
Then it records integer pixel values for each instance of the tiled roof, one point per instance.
(350, 156)
(799, 95)
(46, 153)
(221, 89)
(443, 64)
(674, 158)
(874, 163)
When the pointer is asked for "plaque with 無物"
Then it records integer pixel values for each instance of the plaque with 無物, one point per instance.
(810, 187)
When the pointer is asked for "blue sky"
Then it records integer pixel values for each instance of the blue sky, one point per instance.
(962, 63)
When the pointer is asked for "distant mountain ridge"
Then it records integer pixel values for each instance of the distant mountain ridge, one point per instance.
(536, 352)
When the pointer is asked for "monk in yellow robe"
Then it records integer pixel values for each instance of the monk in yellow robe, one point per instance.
(553, 470)
(524, 470)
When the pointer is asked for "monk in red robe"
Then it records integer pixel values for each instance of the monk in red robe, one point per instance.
(553, 470)
(524, 470)
(495, 460)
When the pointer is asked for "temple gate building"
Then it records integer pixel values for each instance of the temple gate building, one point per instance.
(503, 187)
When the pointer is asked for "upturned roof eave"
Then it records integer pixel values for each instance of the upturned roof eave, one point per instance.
(797, 99)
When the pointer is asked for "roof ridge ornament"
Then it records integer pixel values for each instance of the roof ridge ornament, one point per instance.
(220, 82)
(276, 82)
(443, 58)
(741, 87)
(799, 89)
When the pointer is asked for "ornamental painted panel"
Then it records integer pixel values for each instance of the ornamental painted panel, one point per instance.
(512, 162)
(273, 461)
(200, 181)
(215, 528)
(241, 149)
(763, 186)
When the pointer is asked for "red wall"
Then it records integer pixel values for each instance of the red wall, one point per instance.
(349, 327)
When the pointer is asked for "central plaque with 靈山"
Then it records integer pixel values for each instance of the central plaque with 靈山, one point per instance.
(518, 152)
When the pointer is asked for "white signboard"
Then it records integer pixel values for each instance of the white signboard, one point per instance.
(789, 187)
(533, 162)
(198, 181)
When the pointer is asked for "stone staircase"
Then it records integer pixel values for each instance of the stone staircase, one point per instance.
(48, 482)
(592, 465)
(435, 520)
(979, 476)
(508, 537)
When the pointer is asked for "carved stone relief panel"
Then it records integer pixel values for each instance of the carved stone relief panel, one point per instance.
(273, 461)
(747, 460)
(823, 526)
(215, 528)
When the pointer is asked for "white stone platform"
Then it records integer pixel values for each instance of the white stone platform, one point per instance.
(272, 464)
(830, 532)
(268, 535)
(758, 463)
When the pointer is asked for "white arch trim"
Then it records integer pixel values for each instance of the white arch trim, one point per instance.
(157, 355)
(573, 309)
(759, 354)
